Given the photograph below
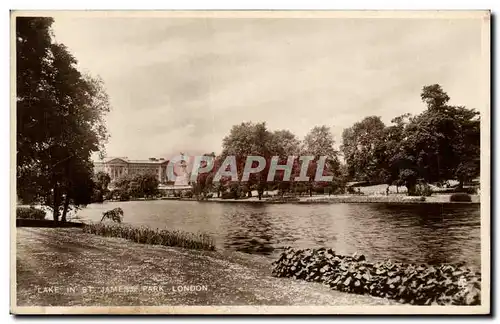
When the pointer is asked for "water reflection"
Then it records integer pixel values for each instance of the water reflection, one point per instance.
(417, 233)
(249, 231)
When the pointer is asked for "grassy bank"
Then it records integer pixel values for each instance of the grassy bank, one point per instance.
(69, 258)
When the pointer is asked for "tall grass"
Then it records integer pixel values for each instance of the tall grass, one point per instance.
(146, 235)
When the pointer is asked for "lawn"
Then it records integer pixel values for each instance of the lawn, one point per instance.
(56, 267)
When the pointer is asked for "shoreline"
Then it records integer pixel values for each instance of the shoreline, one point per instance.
(333, 199)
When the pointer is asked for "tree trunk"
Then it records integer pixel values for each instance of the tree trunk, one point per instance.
(411, 188)
(55, 204)
(65, 209)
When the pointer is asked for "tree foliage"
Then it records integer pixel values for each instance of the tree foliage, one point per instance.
(141, 185)
(359, 146)
(441, 143)
(59, 120)
(255, 139)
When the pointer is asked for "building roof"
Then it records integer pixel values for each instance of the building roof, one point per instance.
(126, 160)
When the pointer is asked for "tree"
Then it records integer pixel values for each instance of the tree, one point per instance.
(101, 180)
(320, 142)
(359, 147)
(204, 181)
(148, 184)
(439, 144)
(248, 139)
(284, 144)
(140, 185)
(59, 117)
(444, 140)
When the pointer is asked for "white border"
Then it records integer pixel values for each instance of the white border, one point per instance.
(191, 5)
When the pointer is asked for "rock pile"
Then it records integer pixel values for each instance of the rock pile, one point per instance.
(408, 283)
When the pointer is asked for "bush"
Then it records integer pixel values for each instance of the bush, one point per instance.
(444, 284)
(423, 189)
(145, 235)
(460, 197)
(227, 195)
(187, 194)
(116, 215)
(30, 213)
(413, 198)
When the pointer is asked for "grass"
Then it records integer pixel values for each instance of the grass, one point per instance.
(146, 235)
(67, 257)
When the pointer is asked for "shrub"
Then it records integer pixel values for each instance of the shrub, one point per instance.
(350, 190)
(423, 189)
(468, 190)
(460, 197)
(124, 196)
(227, 195)
(413, 198)
(471, 190)
(30, 213)
(116, 215)
(444, 284)
(145, 235)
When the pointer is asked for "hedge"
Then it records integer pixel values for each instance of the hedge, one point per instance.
(460, 197)
(30, 213)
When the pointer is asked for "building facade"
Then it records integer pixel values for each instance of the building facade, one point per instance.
(118, 166)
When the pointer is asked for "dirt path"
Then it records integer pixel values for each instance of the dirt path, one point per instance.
(58, 267)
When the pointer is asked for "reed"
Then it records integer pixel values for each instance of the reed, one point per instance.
(146, 235)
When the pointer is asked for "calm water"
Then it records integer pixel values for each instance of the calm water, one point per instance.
(417, 233)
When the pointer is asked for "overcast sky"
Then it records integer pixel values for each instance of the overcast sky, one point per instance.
(179, 84)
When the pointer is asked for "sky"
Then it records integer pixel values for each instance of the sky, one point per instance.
(180, 84)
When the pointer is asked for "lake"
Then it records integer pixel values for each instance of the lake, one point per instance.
(415, 233)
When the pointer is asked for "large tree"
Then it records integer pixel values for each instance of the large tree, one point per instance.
(439, 144)
(444, 140)
(319, 142)
(59, 120)
(248, 139)
(359, 147)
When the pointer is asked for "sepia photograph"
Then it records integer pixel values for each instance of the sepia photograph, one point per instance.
(250, 162)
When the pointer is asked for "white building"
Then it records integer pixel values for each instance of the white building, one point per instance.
(117, 166)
